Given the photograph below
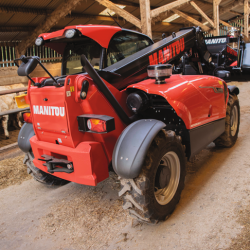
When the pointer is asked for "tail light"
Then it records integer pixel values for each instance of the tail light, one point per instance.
(27, 117)
(96, 123)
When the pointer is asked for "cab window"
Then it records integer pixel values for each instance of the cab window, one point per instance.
(125, 44)
(72, 56)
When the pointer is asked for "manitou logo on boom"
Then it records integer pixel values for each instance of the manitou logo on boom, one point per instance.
(48, 110)
(215, 40)
(167, 53)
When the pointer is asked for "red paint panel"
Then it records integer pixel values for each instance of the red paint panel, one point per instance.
(187, 99)
(234, 64)
(89, 160)
(102, 34)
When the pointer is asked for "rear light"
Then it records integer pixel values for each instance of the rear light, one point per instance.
(27, 117)
(96, 125)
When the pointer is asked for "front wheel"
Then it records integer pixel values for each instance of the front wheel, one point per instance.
(39, 175)
(229, 137)
(153, 195)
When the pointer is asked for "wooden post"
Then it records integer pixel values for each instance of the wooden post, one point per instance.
(145, 17)
(246, 18)
(216, 17)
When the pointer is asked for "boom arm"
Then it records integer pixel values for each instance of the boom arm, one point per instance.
(168, 50)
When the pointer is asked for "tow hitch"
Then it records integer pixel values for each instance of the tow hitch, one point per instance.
(57, 165)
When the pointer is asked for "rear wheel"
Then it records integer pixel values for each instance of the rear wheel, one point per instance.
(153, 195)
(39, 175)
(229, 137)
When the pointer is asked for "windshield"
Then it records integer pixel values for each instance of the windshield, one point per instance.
(73, 52)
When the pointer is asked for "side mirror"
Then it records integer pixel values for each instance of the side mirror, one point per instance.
(28, 65)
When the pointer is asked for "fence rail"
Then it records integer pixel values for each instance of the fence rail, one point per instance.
(11, 91)
(8, 55)
(13, 111)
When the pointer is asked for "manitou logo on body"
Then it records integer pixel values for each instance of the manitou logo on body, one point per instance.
(48, 110)
(172, 50)
(215, 40)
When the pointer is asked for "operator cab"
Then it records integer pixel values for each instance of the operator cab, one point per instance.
(122, 45)
(102, 45)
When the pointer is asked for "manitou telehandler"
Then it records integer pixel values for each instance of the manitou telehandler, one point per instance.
(230, 53)
(118, 107)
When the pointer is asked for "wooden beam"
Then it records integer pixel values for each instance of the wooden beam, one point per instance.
(156, 12)
(165, 15)
(216, 17)
(61, 11)
(230, 6)
(190, 19)
(15, 10)
(171, 24)
(127, 3)
(202, 13)
(235, 13)
(246, 18)
(95, 17)
(123, 13)
(11, 44)
(225, 24)
(44, 12)
(145, 17)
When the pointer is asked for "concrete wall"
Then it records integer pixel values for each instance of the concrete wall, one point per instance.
(8, 75)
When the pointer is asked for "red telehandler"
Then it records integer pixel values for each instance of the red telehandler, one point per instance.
(118, 107)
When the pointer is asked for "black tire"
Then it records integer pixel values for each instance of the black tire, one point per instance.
(229, 137)
(39, 175)
(140, 193)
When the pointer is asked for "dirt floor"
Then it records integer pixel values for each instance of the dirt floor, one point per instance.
(13, 136)
(213, 212)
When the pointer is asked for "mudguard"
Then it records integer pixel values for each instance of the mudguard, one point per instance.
(132, 146)
(233, 89)
(24, 136)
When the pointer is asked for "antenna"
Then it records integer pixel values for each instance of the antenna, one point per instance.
(115, 21)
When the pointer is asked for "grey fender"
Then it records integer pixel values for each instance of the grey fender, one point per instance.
(24, 136)
(132, 146)
(233, 89)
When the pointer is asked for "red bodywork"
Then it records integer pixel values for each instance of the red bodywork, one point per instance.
(102, 34)
(234, 64)
(91, 153)
(192, 97)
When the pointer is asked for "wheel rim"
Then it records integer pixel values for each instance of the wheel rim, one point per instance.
(234, 120)
(171, 164)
